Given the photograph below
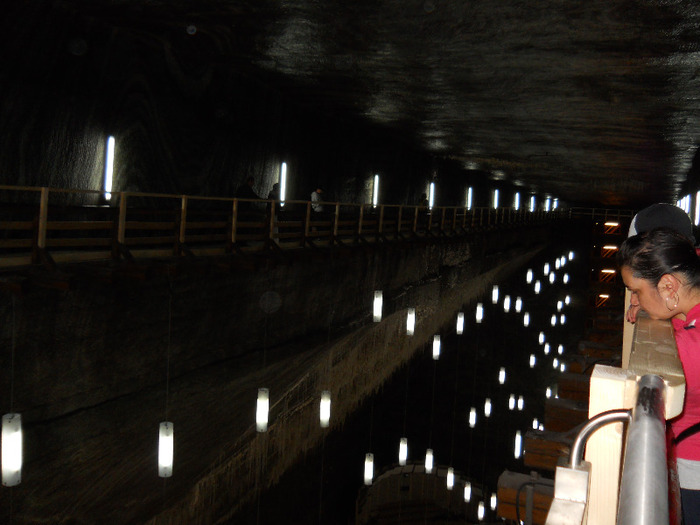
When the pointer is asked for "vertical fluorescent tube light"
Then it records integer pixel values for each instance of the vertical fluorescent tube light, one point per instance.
(450, 478)
(375, 191)
(535, 424)
(560, 349)
(533, 360)
(547, 203)
(521, 403)
(511, 402)
(109, 168)
(494, 501)
(369, 468)
(541, 338)
(479, 312)
(532, 203)
(472, 417)
(325, 409)
(562, 319)
(516, 201)
(506, 303)
(566, 278)
(481, 512)
(546, 349)
(429, 460)
(529, 276)
(553, 320)
(560, 305)
(557, 264)
(377, 306)
(283, 183)
(538, 286)
(518, 304)
(494, 294)
(555, 204)
(501, 376)
(697, 209)
(487, 407)
(495, 199)
(431, 195)
(518, 445)
(410, 321)
(545, 270)
(467, 492)
(526, 319)
(470, 195)
(567, 299)
(11, 449)
(436, 347)
(403, 451)
(166, 448)
(262, 410)
(460, 323)
(552, 277)
(571, 256)
(548, 392)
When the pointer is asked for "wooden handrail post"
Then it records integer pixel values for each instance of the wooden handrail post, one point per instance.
(359, 223)
(336, 219)
(121, 225)
(380, 227)
(454, 220)
(271, 230)
(43, 218)
(234, 221)
(183, 223)
(415, 219)
(398, 221)
(307, 219)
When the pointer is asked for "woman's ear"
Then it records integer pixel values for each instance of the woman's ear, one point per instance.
(668, 285)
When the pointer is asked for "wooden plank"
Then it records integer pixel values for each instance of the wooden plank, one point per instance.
(16, 243)
(544, 449)
(75, 242)
(561, 415)
(16, 225)
(150, 240)
(610, 389)
(147, 225)
(79, 225)
(508, 485)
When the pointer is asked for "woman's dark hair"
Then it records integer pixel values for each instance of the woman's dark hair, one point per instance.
(652, 254)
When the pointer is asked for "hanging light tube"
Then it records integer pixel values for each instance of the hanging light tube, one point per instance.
(529, 276)
(369, 468)
(697, 209)
(431, 195)
(502, 376)
(571, 256)
(552, 278)
(548, 392)
(494, 501)
(481, 512)
(494, 294)
(506, 303)
(538, 287)
(560, 305)
(555, 204)
(562, 367)
(436, 347)
(11, 443)
(283, 183)
(532, 203)
(533, 360)
(429, 461)
(518, 449)
(375, 191)
(535, 424)
(403, 451)
(325, 409)
(472, 417)
(166, 449)
(479, 313)
(518, 304)
(521, 403)
(567, 299)
(109, 168)
(560, 349)
(450, 481)
(553, 320)
(541, 338)
(377, 306)
(511, 402)
(547, 204)
(546, 269)
(460, 323)
(470, 194)
(262, 410)
(557, 264)
(516, 201)
(495, 199)
(410, 321)
(487, 407)
(546, 349)
(562, 319)
(526, 319)
(467, 491)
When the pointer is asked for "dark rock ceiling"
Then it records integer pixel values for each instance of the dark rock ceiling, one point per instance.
(595, 101)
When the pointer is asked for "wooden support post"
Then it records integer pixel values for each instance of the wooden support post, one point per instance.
(307, 220)
(398, 223)
(380, 227)
(183, 224)
(336, 219)
(454, 220)
(415, 219)
(442, 220)
(361, 218)
(234, 221)
(271, 229)
(611, 388)
(43, 219)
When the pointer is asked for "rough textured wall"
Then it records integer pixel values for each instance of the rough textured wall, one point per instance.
(90, 368)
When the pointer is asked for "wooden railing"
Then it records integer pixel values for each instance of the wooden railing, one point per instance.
(64, 225)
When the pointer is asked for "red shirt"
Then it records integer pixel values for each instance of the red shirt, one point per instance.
(688, 341)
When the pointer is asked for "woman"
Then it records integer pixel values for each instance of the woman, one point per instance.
(662, 270)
